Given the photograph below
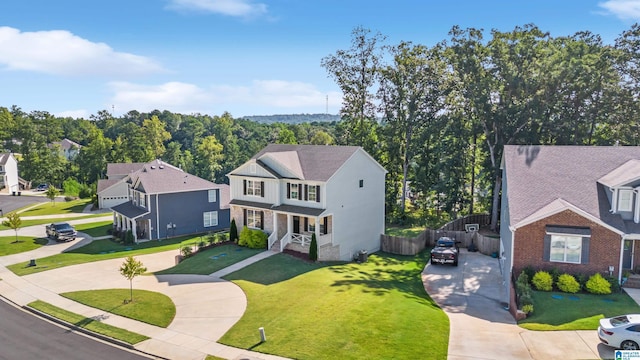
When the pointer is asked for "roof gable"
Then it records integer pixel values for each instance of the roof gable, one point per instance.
(625, 174)
(158, 177)
(537, 176)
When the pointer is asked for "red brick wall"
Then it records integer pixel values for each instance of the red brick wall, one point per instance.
(604, 247)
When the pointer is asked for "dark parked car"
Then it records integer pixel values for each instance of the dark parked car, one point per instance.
(445, 252)
(61, 232)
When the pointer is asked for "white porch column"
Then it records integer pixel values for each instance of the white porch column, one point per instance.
(289, 224)
(133, 231)
(275, 224)
(636, 212)
(317, 228)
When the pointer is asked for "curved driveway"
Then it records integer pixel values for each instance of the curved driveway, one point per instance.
(481, 327)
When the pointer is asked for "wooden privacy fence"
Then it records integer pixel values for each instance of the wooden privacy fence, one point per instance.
(458, 224)
(411, 246)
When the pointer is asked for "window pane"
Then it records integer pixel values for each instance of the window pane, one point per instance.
(574, 249)
(625, 200)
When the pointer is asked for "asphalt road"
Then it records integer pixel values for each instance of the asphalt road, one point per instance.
(25, 336)
(9, 203)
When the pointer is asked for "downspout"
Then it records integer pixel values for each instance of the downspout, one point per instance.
(636, 213)
(614, 200)
(508, 284)
(157, 220)
(621, 257)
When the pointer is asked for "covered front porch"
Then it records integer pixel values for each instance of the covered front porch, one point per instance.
(128, 217)
(295, 231)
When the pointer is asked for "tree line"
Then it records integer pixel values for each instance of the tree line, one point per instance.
(436, 117)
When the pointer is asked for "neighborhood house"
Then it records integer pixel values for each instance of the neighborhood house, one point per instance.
(573, 208)
(163, 201)
(294, 191)
(9, 180)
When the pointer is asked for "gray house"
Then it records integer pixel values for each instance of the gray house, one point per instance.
(164, 201)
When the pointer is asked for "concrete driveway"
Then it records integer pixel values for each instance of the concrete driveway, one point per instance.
(480, 326)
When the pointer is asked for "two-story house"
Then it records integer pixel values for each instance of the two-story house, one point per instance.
(164, 201)
(68, 148)
(573, 208)
(294, 191)
(9, 173)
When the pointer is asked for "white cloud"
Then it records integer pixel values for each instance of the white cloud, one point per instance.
(623, 9)
(276, 95)
(59, 52)
(240, 8)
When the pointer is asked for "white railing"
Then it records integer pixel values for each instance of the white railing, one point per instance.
(284, 241)
(301, 239)
(272, 240)
(325, 239)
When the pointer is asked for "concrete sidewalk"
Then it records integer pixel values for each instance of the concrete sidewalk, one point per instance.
(206, 306)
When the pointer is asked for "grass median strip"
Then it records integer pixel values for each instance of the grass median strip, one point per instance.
(58, 207)
(378, 309)
(100, 250)
(147, 306)
(87, 323)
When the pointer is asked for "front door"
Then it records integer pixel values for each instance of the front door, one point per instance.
(296, 224)
(627, 254)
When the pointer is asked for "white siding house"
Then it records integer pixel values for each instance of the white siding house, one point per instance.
(9, 173)
(294, 191)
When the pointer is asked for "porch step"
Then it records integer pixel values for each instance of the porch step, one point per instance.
(633, 282)
(276, 246)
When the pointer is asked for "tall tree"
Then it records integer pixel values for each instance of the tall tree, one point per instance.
(356, 72)
(156, 134)
(13, 222)
(209, 157)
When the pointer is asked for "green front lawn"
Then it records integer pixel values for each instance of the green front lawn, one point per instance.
(8, 245)
(89, 324)
(211, 260)
(34, 222)
(148, 306)
(57, 207)
(96, 229)
(99, 250)
(375, 310)
(575, 312)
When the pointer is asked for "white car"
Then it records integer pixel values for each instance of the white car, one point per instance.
(621, 332)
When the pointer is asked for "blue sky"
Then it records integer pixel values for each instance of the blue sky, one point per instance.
(247, 57)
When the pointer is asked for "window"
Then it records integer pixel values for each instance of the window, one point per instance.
(311, 224)
(312, 193)
(210, 218)
(361, 183)
(254, 188)
(143, 200)
(254, 219)
(212, 196)
(293, 192)
(566, 248)
(625, 200)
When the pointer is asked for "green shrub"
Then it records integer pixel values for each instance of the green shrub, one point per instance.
(221, 237)
(542, 281)
(527, 309)
(71, 187)
(529, 271)
(128, 238)
(258, 239)
(233, 231)
(86, 191)
(598, 285)
(522, 284)
(211, 238)
(313, 248)
(615, 284)
(555, 274)
(186, 251)
(245, 236)
(567, 283)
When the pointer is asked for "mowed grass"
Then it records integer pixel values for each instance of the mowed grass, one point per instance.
(57, 207)
(89, 324)
(99, 250)
(34, 222)
(404, 231)
(148, 306)
(211, 260)
(375, 310)
(8, 245)
(575, 312)
(96, 229)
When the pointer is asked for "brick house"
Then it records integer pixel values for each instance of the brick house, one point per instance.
(573, 208)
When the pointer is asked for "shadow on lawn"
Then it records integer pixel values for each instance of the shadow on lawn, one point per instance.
(383, 273)
(274, 269)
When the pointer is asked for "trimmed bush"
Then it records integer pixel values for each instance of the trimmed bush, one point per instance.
(186, 251)
(313, 248)
(529, 271)
(526, 299)
(253, 238)
(527, 309)
(567, 283)
(233, 231)
(128, 238)
(615, 284)
(598, 285)
(542, 281)
(245, 236)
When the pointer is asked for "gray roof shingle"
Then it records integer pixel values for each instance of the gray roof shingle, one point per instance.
(537, 176)
(309, 162)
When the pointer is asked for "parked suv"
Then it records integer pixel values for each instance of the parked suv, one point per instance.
(445, 252)
(61, 232)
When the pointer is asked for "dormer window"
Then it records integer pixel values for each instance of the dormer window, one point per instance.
(625, 200)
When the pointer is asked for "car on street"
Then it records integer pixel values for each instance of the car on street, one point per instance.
(61, 231)
(620, 332)
(445, 252)
(42, 187)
